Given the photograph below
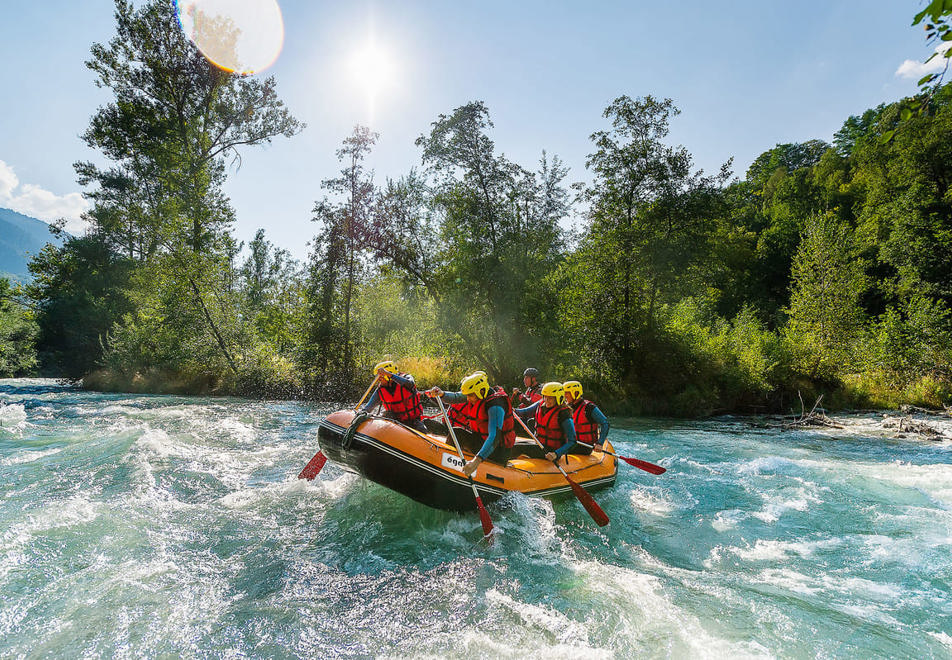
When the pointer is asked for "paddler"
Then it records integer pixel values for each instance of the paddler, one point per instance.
(487, 415)
(591, 425)
(533, 392)
(399, 396)
(554, 427)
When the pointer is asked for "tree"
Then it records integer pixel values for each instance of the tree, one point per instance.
(174, 120)
(650, 220)
(17, 334)
(828, 281)
(79, 291)
(499, 225)
(336, 260)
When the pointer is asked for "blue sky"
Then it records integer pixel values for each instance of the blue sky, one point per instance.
(746, 76)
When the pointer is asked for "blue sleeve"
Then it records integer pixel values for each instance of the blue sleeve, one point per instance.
(496, 416)
(454, 397)
(603, 426)
(373, 402)
(407, 382)
(527, 412)
(568, 428)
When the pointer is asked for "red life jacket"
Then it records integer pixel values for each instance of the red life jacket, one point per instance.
(457, 415)
(585, 429)
(547, 427)
(481, 411)
(402, 402)
(531, 395)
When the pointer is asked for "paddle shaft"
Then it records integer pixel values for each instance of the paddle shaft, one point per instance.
(375, 380)
(634, 462)
(483, 514)
(583, 496)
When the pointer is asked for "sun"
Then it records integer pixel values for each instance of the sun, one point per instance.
(372, 69)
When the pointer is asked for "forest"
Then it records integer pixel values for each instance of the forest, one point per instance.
(825, 268)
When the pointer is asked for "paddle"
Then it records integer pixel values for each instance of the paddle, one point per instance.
(595, 511)
(316, 464)
(483, 514)
(638, 463)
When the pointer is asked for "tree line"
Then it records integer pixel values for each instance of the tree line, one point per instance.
(827, 268)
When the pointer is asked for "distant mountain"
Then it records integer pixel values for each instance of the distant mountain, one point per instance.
(21, 237)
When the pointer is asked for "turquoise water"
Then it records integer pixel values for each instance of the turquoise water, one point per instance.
(174, 526)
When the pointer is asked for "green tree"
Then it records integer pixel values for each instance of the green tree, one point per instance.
(499, 225)
(17, 334)
(174, 121)
(79, 291)
(650, 223)
(828, 281)
(337, 262)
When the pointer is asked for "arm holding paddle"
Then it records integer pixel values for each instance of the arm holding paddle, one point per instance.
(603, 426)
(568, 428)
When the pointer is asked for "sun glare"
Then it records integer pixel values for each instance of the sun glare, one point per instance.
(372, 71)
(244, 36)
(371, 68)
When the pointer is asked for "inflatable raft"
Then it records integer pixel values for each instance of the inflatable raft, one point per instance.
(427, 468)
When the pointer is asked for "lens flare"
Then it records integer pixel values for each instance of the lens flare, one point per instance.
(242, 36)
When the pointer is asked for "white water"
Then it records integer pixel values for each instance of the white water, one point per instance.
(175, 526)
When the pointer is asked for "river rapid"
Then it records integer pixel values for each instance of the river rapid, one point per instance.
(168, 526)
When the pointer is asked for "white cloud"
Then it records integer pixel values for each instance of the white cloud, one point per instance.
(32, 200)
(916, 70)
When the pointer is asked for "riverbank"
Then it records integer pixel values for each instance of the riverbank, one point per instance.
(695, 402)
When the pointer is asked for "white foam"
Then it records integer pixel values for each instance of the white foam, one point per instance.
(29, 456)
(646, 502)
(943, 638)
(767, 464)
(12, 417)
(729, 519)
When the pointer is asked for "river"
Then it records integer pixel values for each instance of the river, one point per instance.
(168, 526)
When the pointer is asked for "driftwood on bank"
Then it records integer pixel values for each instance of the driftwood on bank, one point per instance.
(813, 418)
(906, 424)
(907, 410)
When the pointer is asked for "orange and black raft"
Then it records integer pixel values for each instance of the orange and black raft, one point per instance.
(426, 467)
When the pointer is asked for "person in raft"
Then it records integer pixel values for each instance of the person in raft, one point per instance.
(533, 393)
(399, 396)
(488, 419)
(591, 425)
(554, 427)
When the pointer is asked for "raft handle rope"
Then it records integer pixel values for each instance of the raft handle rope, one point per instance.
(348, 438)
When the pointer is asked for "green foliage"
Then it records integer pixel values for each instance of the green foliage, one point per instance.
(17, 334)
(828, 280)
(79, 291)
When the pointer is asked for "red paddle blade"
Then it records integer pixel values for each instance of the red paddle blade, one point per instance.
(644, 465)
(486, 521)
(595, 511)
(313, 466)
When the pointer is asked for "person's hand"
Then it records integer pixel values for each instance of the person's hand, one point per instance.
(599, 447)
(550, 455)
(470, 467)
(434, 392)
(516, 391)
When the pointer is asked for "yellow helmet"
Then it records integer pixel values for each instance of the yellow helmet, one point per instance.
(574, 387)
(475, 384)
(386, 365)
(554, 389)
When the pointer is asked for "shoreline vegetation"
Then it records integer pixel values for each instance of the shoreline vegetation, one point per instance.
(825, 269)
